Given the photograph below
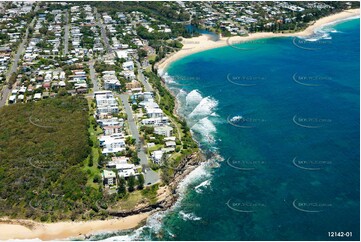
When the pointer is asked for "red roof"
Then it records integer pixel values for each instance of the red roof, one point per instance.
(46, 85)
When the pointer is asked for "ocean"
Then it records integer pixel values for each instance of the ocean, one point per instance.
(280, 118)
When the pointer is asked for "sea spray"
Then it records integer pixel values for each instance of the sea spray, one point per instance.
(204, 108)
(193, 98)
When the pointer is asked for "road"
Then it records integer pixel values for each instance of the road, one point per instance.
(4, 95)
(148, 88)
(93, 76)
(14, 66)
(103, 32)
(66, 33)
(141, 78)
(150, 176)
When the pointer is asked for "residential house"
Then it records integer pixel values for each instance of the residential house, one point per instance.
(109, 178)
(157, 156)
(163, 130)
(112, 144)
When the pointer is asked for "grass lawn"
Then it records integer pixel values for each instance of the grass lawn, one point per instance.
(131, 200)
(148, 69)
(155, 147)
(176, 156)
(152, 57)
(93, 170)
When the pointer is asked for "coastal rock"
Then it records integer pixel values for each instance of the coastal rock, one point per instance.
(186, 166)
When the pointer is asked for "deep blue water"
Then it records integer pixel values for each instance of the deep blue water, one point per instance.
(283, 114)
(291, 165)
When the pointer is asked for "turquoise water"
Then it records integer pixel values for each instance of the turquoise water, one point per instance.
(281, 117)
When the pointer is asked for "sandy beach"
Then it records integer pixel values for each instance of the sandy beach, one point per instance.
(27, 229)
(203, 42)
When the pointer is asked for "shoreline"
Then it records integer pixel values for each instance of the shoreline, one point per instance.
(203, 42)
(25, 229)
(28, 229)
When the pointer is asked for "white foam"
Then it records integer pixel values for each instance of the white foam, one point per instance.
(319, 35)
(161, 72)
(154, 222)
(337, 22)
(236, 118)
(182, 92)
(197, 175)
(204, 108)
(189, 216)
(323, 32)
(205, 184)
(206, 129)
(181, 96)
(200, 175)
(119, 238)
(193, 98)
(167, 78)
(134, 235)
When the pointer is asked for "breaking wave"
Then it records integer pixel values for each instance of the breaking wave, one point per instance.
(205, 184)
(189, 216)
(167, 78)
(205, 107)
(193, 98)
(324, 32)
(201, 110)
(206, 130)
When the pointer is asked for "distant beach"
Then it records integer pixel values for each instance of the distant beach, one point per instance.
(27, 229)
(204, 42)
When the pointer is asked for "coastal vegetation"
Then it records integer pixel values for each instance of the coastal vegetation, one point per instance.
(49, 150)
(188, 146)
(50, 164)
(158, 10)
(42, 147)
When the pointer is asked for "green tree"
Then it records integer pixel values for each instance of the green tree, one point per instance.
(142, 53)
(122, 189)
(131, 183)
(62, 92)
(96, 178)
(140, 181)
(12, 80)
(90, 164)
(134, 107)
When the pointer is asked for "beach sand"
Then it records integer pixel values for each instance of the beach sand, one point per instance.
(27, 229)
(204, 42)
